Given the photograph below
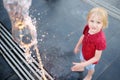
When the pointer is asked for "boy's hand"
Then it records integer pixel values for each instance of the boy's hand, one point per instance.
(77, 67)
(76, 50)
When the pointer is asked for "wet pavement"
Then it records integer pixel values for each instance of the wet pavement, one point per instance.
(59, 26)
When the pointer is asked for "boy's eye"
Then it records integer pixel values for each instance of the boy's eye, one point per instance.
(91, 21)
(98, 22)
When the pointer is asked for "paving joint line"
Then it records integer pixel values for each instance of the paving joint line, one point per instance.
(110, 10)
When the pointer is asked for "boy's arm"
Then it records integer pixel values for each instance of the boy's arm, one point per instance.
(79, 66)
(78, 44)
(97, 57)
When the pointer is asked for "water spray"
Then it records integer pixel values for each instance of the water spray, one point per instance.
(23, 29)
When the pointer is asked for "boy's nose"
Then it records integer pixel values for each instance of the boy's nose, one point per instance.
(94, 24)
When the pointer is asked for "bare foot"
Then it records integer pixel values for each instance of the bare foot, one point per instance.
(88, 78)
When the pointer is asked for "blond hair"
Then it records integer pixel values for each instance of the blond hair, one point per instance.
(101, 12)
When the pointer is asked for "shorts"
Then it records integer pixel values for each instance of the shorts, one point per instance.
(89, 67)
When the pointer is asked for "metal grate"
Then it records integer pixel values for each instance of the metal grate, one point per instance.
(14, 55)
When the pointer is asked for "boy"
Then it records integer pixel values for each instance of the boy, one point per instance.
(93, 42)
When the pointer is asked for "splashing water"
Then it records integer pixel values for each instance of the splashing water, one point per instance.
(23, 29)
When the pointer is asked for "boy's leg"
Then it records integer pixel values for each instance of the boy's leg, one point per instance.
(91, 70)
(89, 75)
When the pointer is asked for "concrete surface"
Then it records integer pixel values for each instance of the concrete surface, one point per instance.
(59, 26)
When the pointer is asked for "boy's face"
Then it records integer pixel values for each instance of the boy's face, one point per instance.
(95, 23)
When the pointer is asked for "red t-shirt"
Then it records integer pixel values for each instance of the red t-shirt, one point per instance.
(91, 43)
